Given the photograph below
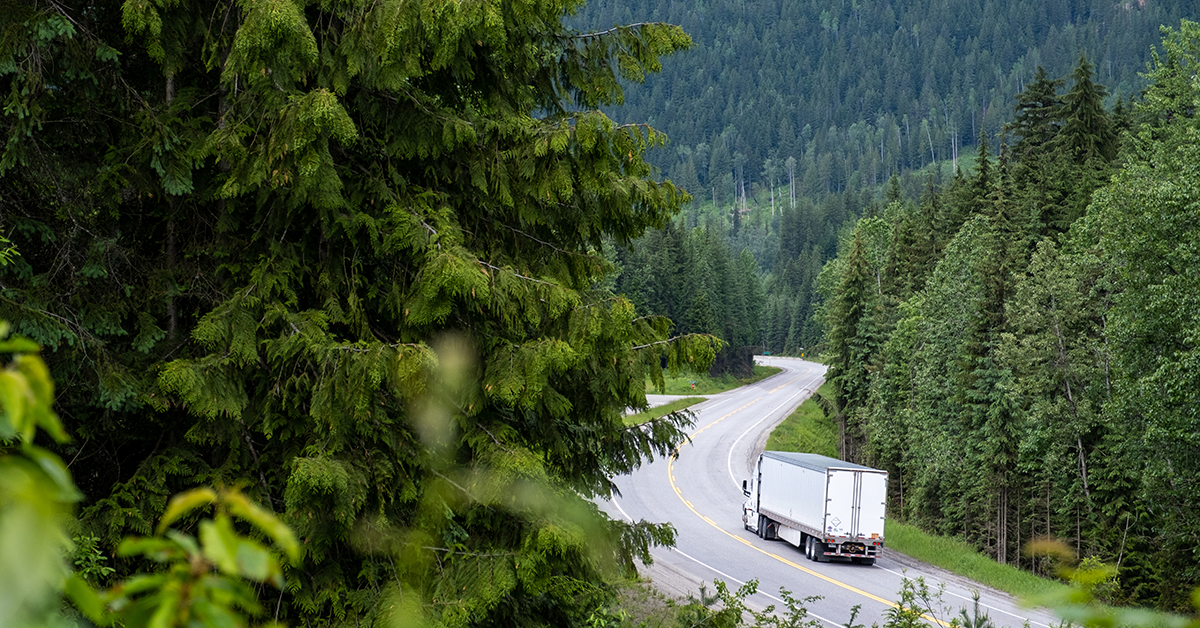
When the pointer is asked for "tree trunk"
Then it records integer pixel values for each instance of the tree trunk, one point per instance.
(172, 309)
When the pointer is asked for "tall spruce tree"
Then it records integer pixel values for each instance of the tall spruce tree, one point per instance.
(1088, 140)
(348, 256)
(853, 337)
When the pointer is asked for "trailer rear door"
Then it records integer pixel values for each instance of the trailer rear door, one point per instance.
(873, 502)
(855, 503)
(841, 502)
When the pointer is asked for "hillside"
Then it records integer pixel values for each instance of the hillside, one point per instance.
(860, 89)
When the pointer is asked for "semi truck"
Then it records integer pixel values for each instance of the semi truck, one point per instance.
(826, 506)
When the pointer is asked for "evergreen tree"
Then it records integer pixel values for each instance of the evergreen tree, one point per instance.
(982, 185)
(893, 193)
(348, 256)
(669, 264)
(852, 343)
(1037, 115)
(1086, 132)
(747, 276)
(925, 249)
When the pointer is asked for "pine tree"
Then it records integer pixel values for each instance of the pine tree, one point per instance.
(925, 249)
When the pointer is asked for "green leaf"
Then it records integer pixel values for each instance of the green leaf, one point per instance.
(140, 583)
(219, 543)
(57, 472)
(159, 550)
(14, 400)
(168, 604)
(184, 503)
(266, 522)
(185, 541)
(217, 615)
(254, 561)
(19, 345)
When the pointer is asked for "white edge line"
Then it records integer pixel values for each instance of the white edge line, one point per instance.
(729, 458)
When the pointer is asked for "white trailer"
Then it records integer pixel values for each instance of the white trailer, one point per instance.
(828, 507)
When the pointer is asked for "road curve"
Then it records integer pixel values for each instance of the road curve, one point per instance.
(700, 493)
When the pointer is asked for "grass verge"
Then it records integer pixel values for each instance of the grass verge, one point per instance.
(959, 557)
(705, 385)
(663, 410)
(640, 604)
(806, 430)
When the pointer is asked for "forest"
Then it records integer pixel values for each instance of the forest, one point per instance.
(327, 314)
(855, 91)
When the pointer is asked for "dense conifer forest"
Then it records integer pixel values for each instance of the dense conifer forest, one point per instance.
(855, 91)
(386, 275)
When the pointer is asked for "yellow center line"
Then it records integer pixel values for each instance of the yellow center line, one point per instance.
(789, 381)
(697, 432)
(851, 588)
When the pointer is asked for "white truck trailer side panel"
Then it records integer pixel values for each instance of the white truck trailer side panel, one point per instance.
(793, 491)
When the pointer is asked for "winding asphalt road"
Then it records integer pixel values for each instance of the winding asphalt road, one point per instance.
(700, 493)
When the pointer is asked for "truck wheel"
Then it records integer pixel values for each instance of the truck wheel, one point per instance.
(819, 552)
(765, 528)
(808, 547)
(866, 561)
